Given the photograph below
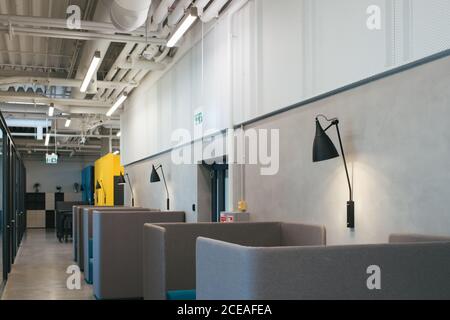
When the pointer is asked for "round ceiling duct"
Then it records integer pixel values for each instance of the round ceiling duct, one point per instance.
(128, 15)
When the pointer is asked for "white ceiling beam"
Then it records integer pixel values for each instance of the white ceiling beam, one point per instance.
(9, 81)
(77, 35)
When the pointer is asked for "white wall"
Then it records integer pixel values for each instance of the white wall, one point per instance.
(64, 174)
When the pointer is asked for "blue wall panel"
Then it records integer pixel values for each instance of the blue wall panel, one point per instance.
(87, 181)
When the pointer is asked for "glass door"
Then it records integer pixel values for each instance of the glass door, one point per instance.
(2, 216)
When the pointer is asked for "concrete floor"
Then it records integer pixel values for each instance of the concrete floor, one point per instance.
(39, 272)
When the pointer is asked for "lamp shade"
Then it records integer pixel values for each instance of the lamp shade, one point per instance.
(98, 186)
(121, 180)
(323, 147)
(154, 176)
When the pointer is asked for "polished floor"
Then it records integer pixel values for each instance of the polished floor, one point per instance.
(39, 272)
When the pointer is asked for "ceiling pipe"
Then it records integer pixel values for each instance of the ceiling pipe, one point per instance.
(40, 22)
(161, 13)
(178, 13)
(139, 63)
(8, 81)
(66, 135)
(200, 5)
(79, 35)
(122, 73)
(213, 10)
(128, 15)
(116, 65)
(6, 97)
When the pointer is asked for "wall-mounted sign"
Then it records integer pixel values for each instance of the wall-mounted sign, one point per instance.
(198, 118)
(51, 158)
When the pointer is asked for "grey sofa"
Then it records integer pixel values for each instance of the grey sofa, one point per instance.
(117, 251)
(169, 249)
(77, 233)
(87, 233)
(411, 267)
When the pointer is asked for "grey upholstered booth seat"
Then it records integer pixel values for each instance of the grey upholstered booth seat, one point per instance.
(406, 238)
(411, 270)
(77, 228)
(117, 244)
(169, 249)
(87, 233)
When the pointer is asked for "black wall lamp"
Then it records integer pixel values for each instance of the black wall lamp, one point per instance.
(123, 182)
(99, 186)
(154, 177)
(324, 149)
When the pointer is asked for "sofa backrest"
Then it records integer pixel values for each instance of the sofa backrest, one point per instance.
(169, 249)
(405, 271)
(87, 231)
(297, 234)
(78, 227)
(410, 237)
(117, 246)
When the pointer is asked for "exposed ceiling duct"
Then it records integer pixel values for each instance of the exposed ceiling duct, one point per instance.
(129, 49)
(128, 15)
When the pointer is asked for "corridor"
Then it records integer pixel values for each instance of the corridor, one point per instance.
(39, 272)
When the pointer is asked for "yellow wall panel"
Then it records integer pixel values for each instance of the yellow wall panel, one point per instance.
(105, 169)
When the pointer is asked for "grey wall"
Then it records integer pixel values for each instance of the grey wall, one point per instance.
(395, 133)
(181, 182)
(64, 174)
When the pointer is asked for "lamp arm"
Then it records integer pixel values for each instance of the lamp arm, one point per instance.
(336, 123)
(164, 178)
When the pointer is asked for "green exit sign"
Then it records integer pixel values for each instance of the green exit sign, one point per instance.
(51, 158)
(198, 118)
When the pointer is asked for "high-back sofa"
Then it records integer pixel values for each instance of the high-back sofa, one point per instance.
(170, 249)
(117, 250)
(77, 233)
(87, 234)
(409, 267)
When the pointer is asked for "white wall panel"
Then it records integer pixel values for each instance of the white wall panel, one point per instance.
(282, 52)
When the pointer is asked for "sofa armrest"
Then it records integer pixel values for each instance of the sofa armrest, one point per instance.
(154, 266)
(221, 270)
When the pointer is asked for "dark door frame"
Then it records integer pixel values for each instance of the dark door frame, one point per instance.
(218, 175)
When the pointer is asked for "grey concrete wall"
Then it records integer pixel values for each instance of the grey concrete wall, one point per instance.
(181, 182)
(397, 139)
(63, 174)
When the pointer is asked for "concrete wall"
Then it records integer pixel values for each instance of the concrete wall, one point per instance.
(64, 174)
(181, 182)
(395, 133)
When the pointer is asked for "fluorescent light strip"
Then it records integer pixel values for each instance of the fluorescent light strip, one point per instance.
(117, 104)
(184, 26)
(67, 124)
(28, 103)
(51, 111)
(47, 139)
(91, 71)
(119, 134)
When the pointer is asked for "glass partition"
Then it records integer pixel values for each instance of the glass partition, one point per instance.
(1, 206)
(12, 200)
